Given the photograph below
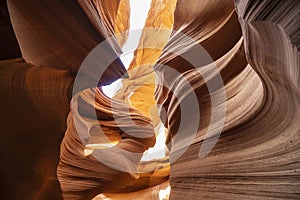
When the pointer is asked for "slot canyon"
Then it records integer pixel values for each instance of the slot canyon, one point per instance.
(150, 99)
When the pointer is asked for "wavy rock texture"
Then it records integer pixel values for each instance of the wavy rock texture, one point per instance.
(256, 156)
(252, 113)
(73, 154)
(138, 91)
(55, 37)
(83, 177)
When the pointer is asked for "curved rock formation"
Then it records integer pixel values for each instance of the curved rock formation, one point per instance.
(256, 154)
(83, 177)
(36, 96)
(227, 91)
(62, 41)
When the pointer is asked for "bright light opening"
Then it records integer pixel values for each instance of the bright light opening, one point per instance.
(138, 15)
(164, 194)
(159, 149)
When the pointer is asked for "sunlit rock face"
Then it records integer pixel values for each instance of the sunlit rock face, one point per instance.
(221, 76)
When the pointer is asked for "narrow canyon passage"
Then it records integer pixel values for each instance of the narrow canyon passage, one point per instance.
(150, 99)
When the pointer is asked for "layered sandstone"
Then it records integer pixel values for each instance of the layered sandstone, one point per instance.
(224, 76)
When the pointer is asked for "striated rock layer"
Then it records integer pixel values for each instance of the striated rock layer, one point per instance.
(82, 176)
(231, 108)
(256, 156)
(54, 39)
